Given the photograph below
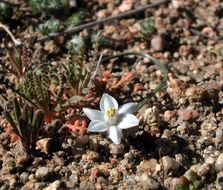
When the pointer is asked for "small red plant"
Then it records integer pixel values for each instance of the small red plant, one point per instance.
(79, 125)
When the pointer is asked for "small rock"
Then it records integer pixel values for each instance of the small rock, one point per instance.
(82, 140)
(101, 180)
(148, 166)
(182, 128)
(152, 118)
(95, 172)
(57, 169)
(179, 158)
(24, 177)
(158, 43)
(56, 185)
(92, 156)
(168, 115)
(93, 143)
(195, 93)
(219, 163)
(101, 183)
(33, 184)
(115, 175)
(46, 145)
(116, 149)
(185, 50)
(103, 169)
(187, 114)
(42, 172)
(31, 177)
(148, 182)
(169, 164)
(177, 3)
(208, 31)
(210, 160)
(59, 161)
(218, 136)
(73, 178)
(176, 88)
(166, 133)
(12, 180)
(2, 151)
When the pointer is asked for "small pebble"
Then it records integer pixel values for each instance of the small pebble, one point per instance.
(56, 185)
(116, 149)
(168, 115)
(148, 166)
(158, 43)
(93, 143)
(187, 114)
(148, 182)
(169, 164)
(115, 175)
(24, 177)
(219, 163)
(42, 172)
(92, 156)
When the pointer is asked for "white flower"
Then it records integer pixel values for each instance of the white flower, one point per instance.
(112, 118)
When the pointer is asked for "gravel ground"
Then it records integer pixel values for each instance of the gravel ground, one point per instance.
(179, 140)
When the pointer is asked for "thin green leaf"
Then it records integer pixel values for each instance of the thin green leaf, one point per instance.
(16, 108)
(11, 122)
(37, 121)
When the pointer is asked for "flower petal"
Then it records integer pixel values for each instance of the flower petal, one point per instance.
(127, 108)
(128, 121)
(97, 126)
(108, 101)
(93, 114)
(115, 134)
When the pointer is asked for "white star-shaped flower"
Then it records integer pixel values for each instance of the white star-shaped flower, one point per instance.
(112, 118)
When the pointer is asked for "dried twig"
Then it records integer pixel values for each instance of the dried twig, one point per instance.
(199, 33)
(16, 42)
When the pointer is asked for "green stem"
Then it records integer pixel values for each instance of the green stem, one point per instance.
(154, 61)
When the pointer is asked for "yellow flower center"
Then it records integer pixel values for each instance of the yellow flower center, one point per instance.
(111, 112)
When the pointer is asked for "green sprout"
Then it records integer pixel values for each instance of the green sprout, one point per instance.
(76, 19)
(51, 26)
(37, 87)
(19, 61)
(53, 6)
(147, 27)
(26, 123)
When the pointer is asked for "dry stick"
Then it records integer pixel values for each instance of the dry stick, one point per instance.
(199, 33)
(94, 23)
(16, 42)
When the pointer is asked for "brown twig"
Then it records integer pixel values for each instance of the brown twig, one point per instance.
(199, 33)
(97, 22)
(4, 27)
